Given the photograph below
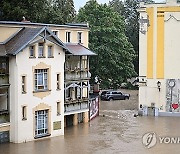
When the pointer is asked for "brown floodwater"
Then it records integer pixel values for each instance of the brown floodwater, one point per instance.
(115, 131)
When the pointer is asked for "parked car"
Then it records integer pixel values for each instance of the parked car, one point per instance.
(114, 95)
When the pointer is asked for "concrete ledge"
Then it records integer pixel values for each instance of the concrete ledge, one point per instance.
(169, 114)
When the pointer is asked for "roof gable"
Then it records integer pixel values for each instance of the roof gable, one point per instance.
(22, 39)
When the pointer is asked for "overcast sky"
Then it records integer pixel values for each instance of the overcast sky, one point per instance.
(81, 3)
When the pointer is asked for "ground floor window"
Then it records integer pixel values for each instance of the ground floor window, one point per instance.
(41, 118)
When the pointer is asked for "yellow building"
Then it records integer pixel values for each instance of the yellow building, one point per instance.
(44, 76)
(159, 75)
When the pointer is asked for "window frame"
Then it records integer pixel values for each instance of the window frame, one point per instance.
(58, 108)
(68, 36)
(79, 37)
(32, 47)
(44, 125)
(41, 45)
(24, 112)
(44, 73)
(23, 84)
(52, 51)
(58, 81)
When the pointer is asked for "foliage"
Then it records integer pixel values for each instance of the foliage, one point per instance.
(45, 11)
(113, 63)
(128, 9)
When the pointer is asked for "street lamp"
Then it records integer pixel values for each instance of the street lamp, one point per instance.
(159, 85)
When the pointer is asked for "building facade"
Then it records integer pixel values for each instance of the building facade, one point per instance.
(159, 84)
(32, 73)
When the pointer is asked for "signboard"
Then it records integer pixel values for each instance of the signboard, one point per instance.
(56, 125)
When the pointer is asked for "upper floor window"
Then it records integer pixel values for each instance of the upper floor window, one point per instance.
(58, 82)
(41, 79)
(79, 37)
(41, 50)
(31, 51)
(68, 36)
(50, 51)
(55, 32)
(84, 62)
(23, 84)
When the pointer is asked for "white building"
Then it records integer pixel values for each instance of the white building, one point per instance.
(159, 74)
(32, 61)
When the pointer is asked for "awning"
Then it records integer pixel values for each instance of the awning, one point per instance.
(79, 50)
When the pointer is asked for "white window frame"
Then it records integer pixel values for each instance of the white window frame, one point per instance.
(68, 36)
(50, 48)
(23, 83)
(32, 51)
(58, 80)
(41, 50)
(41, 74)
(41, 122)
(79, 37)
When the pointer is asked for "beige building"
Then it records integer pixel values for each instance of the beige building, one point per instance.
(159, 75)
(32, 75)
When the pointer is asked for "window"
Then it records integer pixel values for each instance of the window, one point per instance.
(79, 35)
(41, 79)
(23, 84)
(58, 108)
(55, 33)
(58, 82)
(50, 52)
(24, 112)
(68, 36)
(41, 50)
(31, 51)
(84, 62)
(41, 126)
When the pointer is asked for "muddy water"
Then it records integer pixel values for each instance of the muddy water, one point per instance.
(115, 131)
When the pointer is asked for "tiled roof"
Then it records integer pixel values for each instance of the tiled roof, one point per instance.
(22, 39)
(79, 50)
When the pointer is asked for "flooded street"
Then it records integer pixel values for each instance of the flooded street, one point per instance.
(115, 131)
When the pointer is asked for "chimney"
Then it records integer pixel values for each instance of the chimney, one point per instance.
(24, 19)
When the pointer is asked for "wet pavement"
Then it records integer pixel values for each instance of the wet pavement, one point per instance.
(115, 131)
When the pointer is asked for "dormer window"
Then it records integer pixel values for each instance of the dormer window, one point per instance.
(50, 51)
(68, 36)
(41, 50)
(31, 51)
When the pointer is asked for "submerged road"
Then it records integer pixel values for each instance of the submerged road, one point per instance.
(115, 131)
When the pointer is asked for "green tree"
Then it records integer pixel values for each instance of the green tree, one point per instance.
(113, 64)
(128, 9)
(45, 11)
(65, 9)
